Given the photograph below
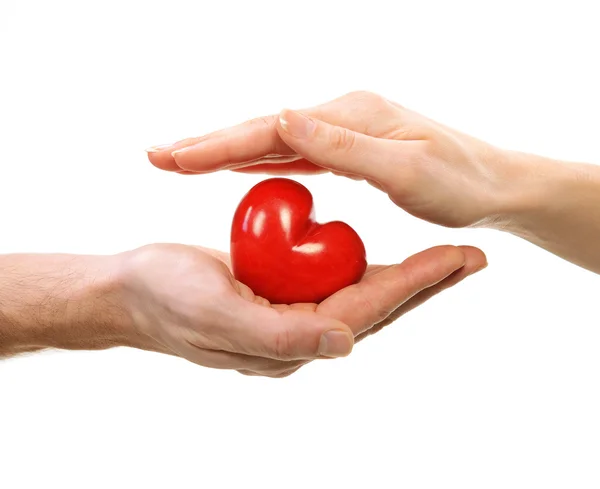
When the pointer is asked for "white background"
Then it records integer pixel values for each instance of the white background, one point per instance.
(493, 384)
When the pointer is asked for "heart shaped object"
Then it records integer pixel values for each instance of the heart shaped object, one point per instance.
(283, 254)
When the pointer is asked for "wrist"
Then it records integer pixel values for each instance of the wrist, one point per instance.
(97, 316)
(532, 185)
(62, 301)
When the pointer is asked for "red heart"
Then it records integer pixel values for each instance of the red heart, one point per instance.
(283, 254)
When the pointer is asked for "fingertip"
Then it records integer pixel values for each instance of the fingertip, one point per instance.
(203, 157)
(162, 156)
(282, 121)
(459, 257)
(450, 254)
(163, 160)
(336, 343)
(180, 158)
(473, 251)
(189, 160)
(475, 258)
(284, 116)
(296, 124)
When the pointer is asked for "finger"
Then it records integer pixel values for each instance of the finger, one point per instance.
(341, 149)
(236, 151)
(369, 302)
(281, 165)
(260, 130)
(298, 167)
(160, 156)
(251, 141)
(475, 261)
(287, 335)
(233, 361)
(255, 140)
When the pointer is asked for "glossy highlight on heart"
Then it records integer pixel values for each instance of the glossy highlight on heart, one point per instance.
(281, 252)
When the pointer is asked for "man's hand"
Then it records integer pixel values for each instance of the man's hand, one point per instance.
(183, 301)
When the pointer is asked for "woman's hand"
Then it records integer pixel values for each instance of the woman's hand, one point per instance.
(183, 301)
(431, 171)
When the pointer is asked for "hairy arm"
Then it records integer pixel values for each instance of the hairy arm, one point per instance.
(60, 301)
(183, 301)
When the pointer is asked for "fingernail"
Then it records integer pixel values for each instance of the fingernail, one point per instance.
(335, 343)
(480, 268)
(296, 124)
(156, 149)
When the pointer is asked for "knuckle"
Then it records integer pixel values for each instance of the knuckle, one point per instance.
(282, 347)
(370, 99)
(420, 154)
(343, 139)
(367, 306)
(374, 114)
(363, 95)
(416, 160)
(374, 310)
(268, 121)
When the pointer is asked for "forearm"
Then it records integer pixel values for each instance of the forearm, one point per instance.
(558, 208)
(61, 301)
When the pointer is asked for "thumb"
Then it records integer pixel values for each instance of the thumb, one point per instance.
(337, 148)
(290, 334)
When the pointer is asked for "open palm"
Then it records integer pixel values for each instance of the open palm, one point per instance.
(383, 295)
